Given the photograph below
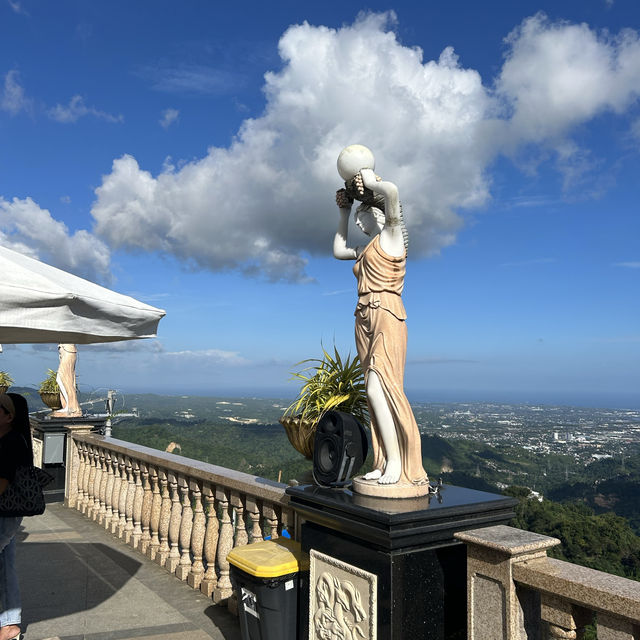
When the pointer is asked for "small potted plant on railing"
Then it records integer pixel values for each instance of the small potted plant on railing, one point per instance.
(5, 381)
(50, 391)
(328, 383)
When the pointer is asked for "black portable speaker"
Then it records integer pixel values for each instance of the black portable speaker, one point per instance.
(340, 449)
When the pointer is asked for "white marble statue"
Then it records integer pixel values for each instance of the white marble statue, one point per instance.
(66, 380)
(380, 327)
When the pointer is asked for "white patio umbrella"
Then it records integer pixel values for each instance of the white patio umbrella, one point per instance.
(39, 303)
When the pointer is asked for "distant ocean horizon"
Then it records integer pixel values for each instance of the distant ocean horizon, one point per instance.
(591, 399)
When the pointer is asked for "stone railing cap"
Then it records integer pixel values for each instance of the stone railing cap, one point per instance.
(586, 587)
(195, 469)
(508, 540)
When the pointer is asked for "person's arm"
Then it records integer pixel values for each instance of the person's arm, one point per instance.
(340, 248)
(4, 483)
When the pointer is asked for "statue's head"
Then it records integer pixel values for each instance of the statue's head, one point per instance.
(370, 220)
(354, 158)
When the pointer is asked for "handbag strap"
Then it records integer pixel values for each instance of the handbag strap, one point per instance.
(26, 444)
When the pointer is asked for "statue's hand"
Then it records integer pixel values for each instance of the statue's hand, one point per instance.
(366, 178)
(343, 199)
(368, 175)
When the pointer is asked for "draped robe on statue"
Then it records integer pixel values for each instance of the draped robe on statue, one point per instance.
(381, 341)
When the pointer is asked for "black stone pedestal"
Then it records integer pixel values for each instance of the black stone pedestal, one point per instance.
(409, 545)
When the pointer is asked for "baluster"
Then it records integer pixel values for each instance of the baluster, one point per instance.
(137, 506)
(186, 527)
(81, 468)
(560, 633)
(270, 515)
(92, 482)
(115, 493)
(108, 516)
(225, 543)
(611, 627)
(174, 524)
(145, 518)
(210, 579)
(122, 500)
(154, 522)
(253, 510)
(287, 521)
(197, 536)
(85, 478)
(104, 476)
(131, 492)
(165, 517)
(561, 618)
(241, 537)
(97, 484)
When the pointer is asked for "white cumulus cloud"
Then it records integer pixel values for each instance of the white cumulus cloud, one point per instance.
(265, 202)
(558, 75)
(27, 228)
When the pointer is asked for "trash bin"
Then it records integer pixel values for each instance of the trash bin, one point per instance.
(271, 579)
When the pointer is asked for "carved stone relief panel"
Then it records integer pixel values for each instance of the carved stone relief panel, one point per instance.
(343, 600)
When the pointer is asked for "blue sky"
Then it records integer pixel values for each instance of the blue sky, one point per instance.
(184, 153)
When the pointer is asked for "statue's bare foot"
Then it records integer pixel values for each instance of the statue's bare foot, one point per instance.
(391, 472)
(373, 475)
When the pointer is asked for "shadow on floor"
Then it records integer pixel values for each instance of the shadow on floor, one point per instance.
(68, 578)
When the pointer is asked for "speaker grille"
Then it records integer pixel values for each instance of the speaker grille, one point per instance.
(340, 449)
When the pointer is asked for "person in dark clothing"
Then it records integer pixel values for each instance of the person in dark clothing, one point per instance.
(15, 451)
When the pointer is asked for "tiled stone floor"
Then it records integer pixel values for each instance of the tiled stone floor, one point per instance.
(80, 583)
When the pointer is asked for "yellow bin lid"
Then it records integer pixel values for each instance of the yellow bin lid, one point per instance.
(270, 558)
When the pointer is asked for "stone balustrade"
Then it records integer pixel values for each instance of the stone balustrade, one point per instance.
(187, 515)
(184, 514)
(516, 592)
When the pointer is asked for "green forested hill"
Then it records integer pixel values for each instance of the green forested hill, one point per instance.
(605, 542)
(620, 494)
(258, 449)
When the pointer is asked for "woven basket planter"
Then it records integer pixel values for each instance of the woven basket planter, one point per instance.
(301, 434)
(52, 400)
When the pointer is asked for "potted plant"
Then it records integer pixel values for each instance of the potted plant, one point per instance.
(330, 382)
(5, 381)
(50, 391)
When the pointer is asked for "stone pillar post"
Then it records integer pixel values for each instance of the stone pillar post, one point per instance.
(494, 609)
